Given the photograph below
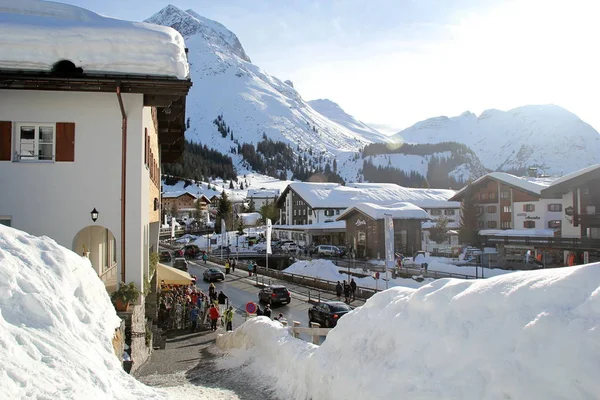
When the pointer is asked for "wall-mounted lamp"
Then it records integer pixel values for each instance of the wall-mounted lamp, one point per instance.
(94, 214)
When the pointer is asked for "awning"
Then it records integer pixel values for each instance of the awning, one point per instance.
(172, 276)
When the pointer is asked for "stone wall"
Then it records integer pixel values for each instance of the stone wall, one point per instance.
(135, 330)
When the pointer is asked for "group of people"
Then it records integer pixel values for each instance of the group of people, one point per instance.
(252, 268)
(348, 289)
(230, 264)
(187, 307)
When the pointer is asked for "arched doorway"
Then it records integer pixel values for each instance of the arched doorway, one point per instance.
(99, 245)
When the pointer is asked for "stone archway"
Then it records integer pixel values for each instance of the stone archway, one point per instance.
(99, 245)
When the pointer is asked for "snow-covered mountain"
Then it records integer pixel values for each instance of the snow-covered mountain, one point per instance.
(335, 113)
(545, 136)
(252, 103)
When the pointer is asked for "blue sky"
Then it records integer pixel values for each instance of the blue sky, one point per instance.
(392, 63)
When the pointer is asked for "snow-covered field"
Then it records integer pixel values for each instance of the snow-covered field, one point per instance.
(526, 335)
(326, 269)
(56, 329)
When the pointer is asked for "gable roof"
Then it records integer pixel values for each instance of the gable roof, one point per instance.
(333, 195)
(532, 186)
(175, 195)
(401, 210)
(572, 180)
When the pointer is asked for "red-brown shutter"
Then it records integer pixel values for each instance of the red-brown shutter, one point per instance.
(65, 141)
(5, 140)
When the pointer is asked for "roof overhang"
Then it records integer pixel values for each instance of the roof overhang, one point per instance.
(166, 94)
(565, 186)
(460, 195)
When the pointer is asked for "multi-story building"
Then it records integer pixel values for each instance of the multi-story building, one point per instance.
(82, 141)
(182, 203)
(262, 196)
(310, 210)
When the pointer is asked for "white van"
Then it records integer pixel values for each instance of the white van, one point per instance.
(327, 250)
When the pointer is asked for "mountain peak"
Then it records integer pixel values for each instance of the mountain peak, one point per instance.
(189, 23)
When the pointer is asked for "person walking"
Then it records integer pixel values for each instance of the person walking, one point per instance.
(194, 318)
(267, 312)
(339, 290)
(233, 264)
(227, 267)
(229, 319)
(255, 268)
(212, 291)
(204, 257)
(347, 292)
(353, 289)
(222, 299)
(250, 268)
(214, 317)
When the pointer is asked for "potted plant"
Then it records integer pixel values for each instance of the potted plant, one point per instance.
(126, 294)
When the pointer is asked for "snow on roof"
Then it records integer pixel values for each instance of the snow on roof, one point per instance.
(174, 195)
(320, 226)
(432, 224)
(541, 322)
(400, 210)
(37, 34)
(532, 185)
(333, 195)
(260, 193)
(575, 174)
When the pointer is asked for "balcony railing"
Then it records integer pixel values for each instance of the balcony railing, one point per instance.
(554, 242)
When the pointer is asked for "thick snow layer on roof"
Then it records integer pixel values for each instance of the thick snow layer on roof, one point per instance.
(433, 224)
(575, 174)
(533, 185)
(174, 195)
(397, 211)
(321, 226)
(333, 195)
(37, 34)
(250, 218)
(524, 335)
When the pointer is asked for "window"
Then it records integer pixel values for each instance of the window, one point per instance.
(329, 212)
(529, 224)
(436, 212)
(492, 195)
(337, 212)
(35, 142)
(480, 224)
(556, 224)
(506, 209)
(483, 196)
(295, 212)
(491, 209)
(505, 195)
(448, 212)
(492, 224)
(506, 225)
(479, 210)
(304, 212)
(6, 221)
(529, 207)
(555, 207)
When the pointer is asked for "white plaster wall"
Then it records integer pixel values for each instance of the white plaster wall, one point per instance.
(55, 199)
(541, 212)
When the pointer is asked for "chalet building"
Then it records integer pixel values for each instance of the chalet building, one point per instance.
(82, 141)
(182, 203)
(507, 202)
(262, 196)
(309, 211)
(365, 230)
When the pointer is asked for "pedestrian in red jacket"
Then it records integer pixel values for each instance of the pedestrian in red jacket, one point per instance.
(214, 315)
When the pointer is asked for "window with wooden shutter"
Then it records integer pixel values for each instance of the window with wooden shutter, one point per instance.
(65, 142)
(146, 146)
(5, 140)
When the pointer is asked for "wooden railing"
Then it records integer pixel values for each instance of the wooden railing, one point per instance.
(109, 274)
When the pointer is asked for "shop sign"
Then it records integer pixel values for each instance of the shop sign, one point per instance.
(532, 217)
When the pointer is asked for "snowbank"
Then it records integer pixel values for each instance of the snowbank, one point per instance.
(526, 335)
(440, 264)
(326, 269)
(37, 34)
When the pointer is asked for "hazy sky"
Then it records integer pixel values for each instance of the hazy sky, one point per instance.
(392, 63)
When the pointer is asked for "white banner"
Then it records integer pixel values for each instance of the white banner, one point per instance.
(172, 227)
(223, 232)
(388, 227)
(269, 228)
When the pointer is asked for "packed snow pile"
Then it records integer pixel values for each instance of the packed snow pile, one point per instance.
(327, 270)
(526, 335)
(37, 34)
(56, 325)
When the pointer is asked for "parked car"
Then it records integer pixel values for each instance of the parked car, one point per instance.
(180, 263)
(274, 294)
(226, 249)
(213, 274)
(164, 256)
(288, 246)
(191, 251)
(328, 250)
(328, 313)
(343, 250)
